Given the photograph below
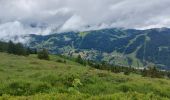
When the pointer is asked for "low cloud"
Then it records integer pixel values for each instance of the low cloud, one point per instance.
(22, 17)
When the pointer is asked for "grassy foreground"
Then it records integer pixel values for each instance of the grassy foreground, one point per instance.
(28, 78)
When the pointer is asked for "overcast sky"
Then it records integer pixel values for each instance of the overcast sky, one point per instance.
(44, 16)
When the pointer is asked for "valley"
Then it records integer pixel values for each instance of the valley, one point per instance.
(124, 47)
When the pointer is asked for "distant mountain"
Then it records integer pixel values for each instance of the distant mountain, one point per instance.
(126, 47)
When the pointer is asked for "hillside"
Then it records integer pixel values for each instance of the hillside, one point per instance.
(30, 78)
(136, 48)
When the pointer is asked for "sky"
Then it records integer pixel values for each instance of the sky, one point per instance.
(23, 17)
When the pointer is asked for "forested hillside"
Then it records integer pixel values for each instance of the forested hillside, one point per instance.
(135, 48)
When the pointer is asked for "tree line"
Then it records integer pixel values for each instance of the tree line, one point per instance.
(20, 49)
(150, 71)
(16, 48)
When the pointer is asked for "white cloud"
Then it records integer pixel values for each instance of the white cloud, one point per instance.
(16, 31)
(73, 23)
(16, 16)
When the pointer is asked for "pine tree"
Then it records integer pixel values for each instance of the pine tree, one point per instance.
(19, 49)
(144, 72)
(127, 71)
(3, 46)
(11, 47)
(28, 51)
(80, 60)
(43, 54)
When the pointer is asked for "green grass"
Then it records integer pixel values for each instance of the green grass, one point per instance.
(28, 78)
(83, 34)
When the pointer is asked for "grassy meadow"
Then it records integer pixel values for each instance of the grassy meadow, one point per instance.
(28, 78)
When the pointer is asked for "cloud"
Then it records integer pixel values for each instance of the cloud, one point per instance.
(18, 32)
(73, 23)
(22, 17)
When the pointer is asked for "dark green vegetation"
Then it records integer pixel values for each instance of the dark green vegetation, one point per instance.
(135, 48)
(27, 78)
(43, 54)
(16, 48)
(150, 71)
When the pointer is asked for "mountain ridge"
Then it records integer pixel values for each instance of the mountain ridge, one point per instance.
(126, 47)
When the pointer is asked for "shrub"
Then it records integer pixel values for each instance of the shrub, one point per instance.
(76, 83)
(127, 72)
(124, 88)
(80, 60)
(43, 54)
(18, 88)
(42, 87)
(61, 61)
